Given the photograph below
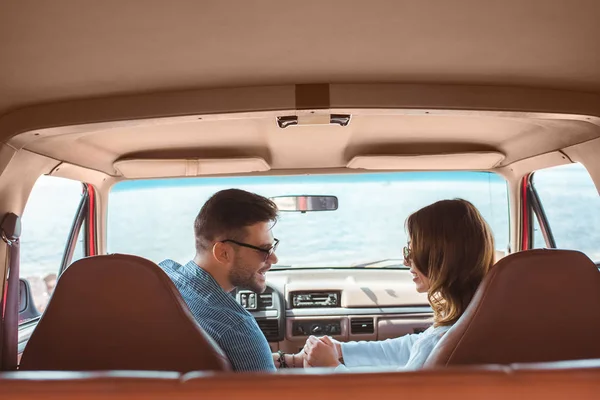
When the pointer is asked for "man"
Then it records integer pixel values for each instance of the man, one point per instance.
(234, 248)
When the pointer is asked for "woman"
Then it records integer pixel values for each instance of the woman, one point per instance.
(450, 250)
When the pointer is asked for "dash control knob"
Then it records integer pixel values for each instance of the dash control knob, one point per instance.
(316, 329)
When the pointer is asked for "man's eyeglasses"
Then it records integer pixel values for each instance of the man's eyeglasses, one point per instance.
(268, 252)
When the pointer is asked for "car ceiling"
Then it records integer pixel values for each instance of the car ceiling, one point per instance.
(71, 49)
(67, 64)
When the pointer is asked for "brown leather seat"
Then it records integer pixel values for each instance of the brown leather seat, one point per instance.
(119, 312)
(533, 306)
(88, 384)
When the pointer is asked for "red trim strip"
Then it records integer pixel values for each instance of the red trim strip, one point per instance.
(4, 297)
(525, 214)
(91, 221)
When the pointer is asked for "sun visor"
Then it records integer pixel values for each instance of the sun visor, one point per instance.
(451, 161)
(146, 168)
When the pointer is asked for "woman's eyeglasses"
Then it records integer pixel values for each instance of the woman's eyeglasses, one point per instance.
(268, 252)
(407, 253)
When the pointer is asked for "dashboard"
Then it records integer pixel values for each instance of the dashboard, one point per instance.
(347, 304)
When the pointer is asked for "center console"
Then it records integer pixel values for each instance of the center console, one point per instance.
(329, 327)
(299, 327)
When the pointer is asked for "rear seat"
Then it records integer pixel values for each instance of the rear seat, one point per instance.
(566, 379)
(45, 384)
(574, 365)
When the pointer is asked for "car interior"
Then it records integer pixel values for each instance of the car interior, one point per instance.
(119, 118)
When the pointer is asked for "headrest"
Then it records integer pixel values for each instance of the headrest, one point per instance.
(119, 312)
(533, 306)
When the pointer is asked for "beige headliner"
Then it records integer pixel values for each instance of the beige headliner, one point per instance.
(68, 49)
(255, 139)
(68, 63)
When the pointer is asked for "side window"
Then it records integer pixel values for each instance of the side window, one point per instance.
(48, 226)
(571, 207)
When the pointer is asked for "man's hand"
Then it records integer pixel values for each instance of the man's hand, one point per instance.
(292, 360)
(322, 352)
(276, 360)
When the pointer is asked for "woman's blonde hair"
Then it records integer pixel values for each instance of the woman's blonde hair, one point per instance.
(452, 245)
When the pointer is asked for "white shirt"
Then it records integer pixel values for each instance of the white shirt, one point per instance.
(406, 352)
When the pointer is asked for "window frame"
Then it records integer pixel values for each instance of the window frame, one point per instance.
(531, 205)
(537, 209)
(81, 220)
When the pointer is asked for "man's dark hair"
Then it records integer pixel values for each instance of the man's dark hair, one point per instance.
(228, 212)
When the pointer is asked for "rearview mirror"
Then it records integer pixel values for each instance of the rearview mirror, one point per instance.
(306, 203)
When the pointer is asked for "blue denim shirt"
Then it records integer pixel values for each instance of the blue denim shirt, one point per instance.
(229, 324)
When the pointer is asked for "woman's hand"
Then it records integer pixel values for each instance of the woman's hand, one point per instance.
(297, 360)
(321, 352)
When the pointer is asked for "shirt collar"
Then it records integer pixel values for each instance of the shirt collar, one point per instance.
(198, 272)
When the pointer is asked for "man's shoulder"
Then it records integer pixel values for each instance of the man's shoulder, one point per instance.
(169, 264)
(206, 300)
(176, 270)
(182, 280)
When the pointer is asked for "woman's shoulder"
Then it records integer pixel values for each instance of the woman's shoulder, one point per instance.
(429, 337)
(424, 345)
(435, 331)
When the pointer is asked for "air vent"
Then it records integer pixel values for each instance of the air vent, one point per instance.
(270, 328)
(362, 326)
(265, 300)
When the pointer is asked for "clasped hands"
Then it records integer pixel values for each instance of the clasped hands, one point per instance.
(322, 352)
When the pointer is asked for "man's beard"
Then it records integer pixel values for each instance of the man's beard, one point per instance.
(243, 276)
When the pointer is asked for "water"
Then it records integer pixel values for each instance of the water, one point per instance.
(154, 219)
(368, 225)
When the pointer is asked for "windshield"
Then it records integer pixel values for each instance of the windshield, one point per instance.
(154, 218)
